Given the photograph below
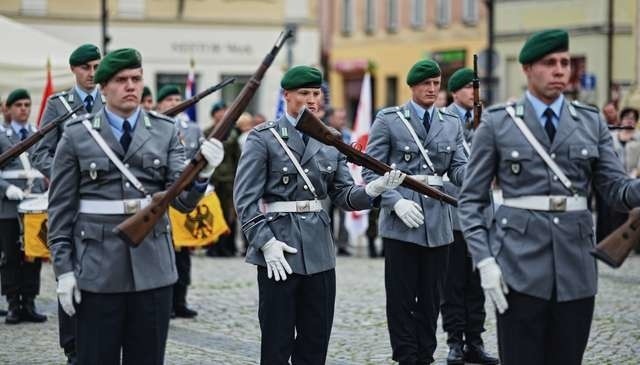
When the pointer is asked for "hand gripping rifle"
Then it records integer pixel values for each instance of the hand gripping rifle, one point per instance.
(615, 248)
(477, 104)
(310, 125)
(24, 145)
(135, 228)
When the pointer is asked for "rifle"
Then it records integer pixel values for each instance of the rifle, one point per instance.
(477, 105)
(135, 228)
(201, 95)
(615, 248)
(24, 145)
(310, 125)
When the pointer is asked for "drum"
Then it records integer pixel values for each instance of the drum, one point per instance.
(33, 218)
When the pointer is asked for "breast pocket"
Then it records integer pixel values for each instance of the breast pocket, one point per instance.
(285, 173)
(516, 163)
(445, 153)
(155, 164)
(94, 167)
(583, 155)
(406, 156)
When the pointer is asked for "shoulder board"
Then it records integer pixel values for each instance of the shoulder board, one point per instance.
(265, 126)
(58, 94)
(79, 119)
(498, 107)
(160, 116)
(580, 105)
(444, 111)
(391, 109)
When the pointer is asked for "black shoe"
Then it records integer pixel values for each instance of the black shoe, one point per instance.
(71, 358)
(477, 355)
(184, 312)
(173, 314)
(29, 313)
(456, 353)
(13, 310)
(343, 252)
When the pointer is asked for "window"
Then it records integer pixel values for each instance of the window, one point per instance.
(347, 17)
(133, 9)
(443, 13)
(391, 83)
(392, 16)
(230, 92)
(417, 14)
(370, 16)
(470, 12)
(34, 7)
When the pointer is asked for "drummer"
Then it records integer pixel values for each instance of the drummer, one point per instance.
(20, 275)
(190, 135)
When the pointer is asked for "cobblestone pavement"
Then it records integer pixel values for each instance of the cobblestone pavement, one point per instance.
(226, 331)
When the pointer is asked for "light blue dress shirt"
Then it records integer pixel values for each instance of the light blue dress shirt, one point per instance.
(116, 121)
(83, 94)
(420, 111)
(539, 107)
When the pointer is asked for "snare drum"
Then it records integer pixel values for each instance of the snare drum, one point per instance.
(33, 219)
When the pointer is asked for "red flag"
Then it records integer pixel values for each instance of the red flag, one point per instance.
(48, 90)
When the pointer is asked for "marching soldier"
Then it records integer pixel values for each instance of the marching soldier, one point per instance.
(20, 275)
(106, 167)
(546, 153)
(424, 141)
(190, 135)
(147, 99)
(462, 306)
(83, 62)
(282, 178)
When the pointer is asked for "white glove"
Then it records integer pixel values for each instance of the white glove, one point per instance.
(213, 152)
(409, 212)
(493, 284)
(68, 290)
(273, 252)
(14, 193)
(389, 181)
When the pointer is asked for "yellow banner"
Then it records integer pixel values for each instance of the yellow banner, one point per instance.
(35, 235)
(202, 227)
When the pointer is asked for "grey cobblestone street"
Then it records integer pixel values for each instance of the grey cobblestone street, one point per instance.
(226, 330)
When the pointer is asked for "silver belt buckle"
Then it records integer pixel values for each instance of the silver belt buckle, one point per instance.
(131, 206)
(558, 203)
(303, 206)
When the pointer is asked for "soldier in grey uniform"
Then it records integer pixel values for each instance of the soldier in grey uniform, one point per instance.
(282, 178)
(105, 168)
(190, 134)
(20, 277)
(147, 99)
(416, 231)
(83, 62)
(547, 154)
(463, 300)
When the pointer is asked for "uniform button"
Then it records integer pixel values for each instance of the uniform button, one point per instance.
(168, 227)
(555, 178)
(424, 166)
(556, 220)
(126, 165)
(406, 148)
(584, 152)
(82, 233)
(428, 152)
(127, 185)
(285, 169)
(156, 162)
(306, 171)
(92, 165)
(303, 218)
(515, 154)
(448, 148)
(393, 166)
(329, 168)
(553, 155)
(270, 218)
(503, 221)
(305, 187)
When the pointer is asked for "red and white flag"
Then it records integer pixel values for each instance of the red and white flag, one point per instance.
(48, 91)
(357, 223)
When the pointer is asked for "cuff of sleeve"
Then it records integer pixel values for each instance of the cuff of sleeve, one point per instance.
(200, 185)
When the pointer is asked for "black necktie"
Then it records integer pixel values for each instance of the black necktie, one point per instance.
(426, 121)
(88, 103)
(548, 125)
(125, 140)
(305, 139)
(467, 117)
(23, 134)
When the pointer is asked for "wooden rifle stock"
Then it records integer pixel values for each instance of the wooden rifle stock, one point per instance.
(477, 104)
(135, 228)
(615, 248)
(24, 145)
(201, 95)
(310, 125)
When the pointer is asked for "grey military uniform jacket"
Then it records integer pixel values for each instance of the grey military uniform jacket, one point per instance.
(537, 249)
(9, 208)
(391, 143)
(266, 174)
(190, 135)
(42, 157)
(85, 243)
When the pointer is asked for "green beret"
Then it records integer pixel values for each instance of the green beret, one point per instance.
(460, 79)
(167, 90)
(83, 54)
(116, 61)
(301, 76)
(422, 70)
(218, 105)
(146, 92)
(17, 94)
(542, 43)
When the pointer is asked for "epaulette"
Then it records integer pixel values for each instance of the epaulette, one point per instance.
(161, 116)
(444, 111)
(60, 93)
(391, 109)
(498, 107)
(580, 105)
(265, 126)
(79, 119)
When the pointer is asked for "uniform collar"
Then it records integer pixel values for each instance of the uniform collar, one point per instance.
(290, 119)
(18, 126)
(462, 111)
(539, 106)
(116, 121)
(83, 94)
(420, 110)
